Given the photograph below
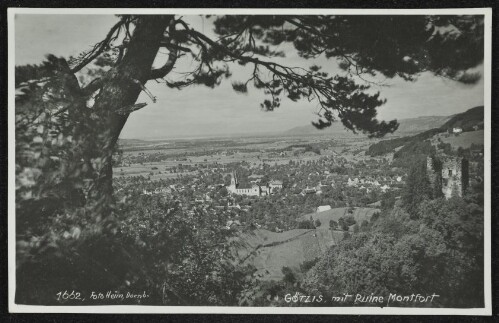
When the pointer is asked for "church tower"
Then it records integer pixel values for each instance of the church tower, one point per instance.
(233, 180)
(233, 183)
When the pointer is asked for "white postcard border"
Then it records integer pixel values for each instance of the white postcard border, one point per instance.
(109, 309)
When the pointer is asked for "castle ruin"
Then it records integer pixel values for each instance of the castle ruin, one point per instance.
(448, 175)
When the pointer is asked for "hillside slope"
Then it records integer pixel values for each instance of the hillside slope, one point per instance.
(269, 251)
(465, 120)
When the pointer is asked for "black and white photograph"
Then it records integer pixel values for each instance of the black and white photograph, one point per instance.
(326, 161)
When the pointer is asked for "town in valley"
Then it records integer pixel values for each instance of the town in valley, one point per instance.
(289, 197)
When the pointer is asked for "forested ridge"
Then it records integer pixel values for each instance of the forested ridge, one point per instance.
(465, 120)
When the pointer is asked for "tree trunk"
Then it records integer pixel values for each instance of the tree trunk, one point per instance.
(119, 90)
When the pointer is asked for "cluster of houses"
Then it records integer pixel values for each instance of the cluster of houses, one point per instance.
(160, 190)
(368, 183)
(256, 188)
(383, 183)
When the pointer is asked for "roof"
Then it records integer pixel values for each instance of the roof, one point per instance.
(246, 186)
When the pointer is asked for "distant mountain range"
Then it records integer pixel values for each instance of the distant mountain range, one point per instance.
(410, 125)
(125, 143)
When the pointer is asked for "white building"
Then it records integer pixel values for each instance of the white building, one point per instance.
(323, 208)
(274, 186)
(354, 182)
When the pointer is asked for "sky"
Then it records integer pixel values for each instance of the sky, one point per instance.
(202, 111)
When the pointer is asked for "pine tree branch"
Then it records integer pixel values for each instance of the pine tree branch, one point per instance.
(93, 86)
(98, 48)
(131, 108)
(172, 55)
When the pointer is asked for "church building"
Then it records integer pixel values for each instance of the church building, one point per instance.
(254, 190)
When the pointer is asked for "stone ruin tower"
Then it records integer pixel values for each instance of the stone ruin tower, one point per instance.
(434, 171)
(448, 175)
